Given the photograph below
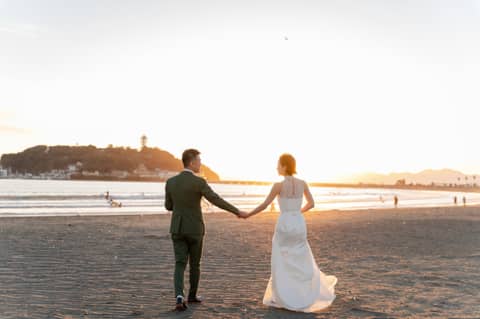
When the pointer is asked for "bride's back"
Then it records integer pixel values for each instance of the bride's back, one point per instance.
(291, 194)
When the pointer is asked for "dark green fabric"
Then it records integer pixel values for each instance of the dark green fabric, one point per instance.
(183, 194)
(187, 248)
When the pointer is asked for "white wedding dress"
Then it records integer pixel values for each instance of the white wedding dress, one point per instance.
(296, 282)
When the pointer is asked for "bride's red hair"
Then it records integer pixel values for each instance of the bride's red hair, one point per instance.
(288, 161)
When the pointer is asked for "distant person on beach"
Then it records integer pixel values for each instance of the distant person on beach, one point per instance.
(111, 202)
(395, 201)
(296, 283)
(464, 199)
(114, 203)
(455, 200)
(183, 195)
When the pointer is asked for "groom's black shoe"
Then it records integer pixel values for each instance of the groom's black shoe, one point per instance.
(195, 299)
(181, 305)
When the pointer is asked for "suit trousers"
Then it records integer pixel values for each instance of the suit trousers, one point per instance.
(187, 248)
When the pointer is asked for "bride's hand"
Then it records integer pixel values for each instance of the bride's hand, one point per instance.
(243, 214)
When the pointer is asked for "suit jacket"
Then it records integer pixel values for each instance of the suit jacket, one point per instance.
(183, 194)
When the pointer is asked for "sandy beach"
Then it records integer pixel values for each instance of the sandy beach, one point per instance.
(397, 263)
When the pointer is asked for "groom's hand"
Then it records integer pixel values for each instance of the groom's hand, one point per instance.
(242, 214)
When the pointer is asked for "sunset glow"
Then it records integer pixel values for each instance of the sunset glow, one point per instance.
(391, 88)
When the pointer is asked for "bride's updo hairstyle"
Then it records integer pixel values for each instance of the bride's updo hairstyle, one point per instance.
(288, 161)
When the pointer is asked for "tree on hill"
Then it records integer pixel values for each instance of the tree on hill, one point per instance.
(43, 159)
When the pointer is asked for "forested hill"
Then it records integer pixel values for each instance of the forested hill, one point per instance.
(44, 159)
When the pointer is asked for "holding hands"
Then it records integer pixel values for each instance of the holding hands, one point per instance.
(273, 193)
(243, 214)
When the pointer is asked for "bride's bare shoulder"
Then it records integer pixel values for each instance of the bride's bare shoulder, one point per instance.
(301, 181)
(277, 186)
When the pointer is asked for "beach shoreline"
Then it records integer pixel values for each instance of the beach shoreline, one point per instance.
(116, 212)
(390, 263)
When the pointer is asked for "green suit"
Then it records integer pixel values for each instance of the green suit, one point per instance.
(183, 194)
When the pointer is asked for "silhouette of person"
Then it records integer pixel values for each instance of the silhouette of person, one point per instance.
(455, 200)
(107, 195)
(114, 203)
(464, 199)
(395, 201)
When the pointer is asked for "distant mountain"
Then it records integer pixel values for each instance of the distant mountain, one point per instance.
(44, 159)
(426, 177)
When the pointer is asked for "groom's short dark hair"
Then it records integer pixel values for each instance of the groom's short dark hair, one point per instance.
(188, 156)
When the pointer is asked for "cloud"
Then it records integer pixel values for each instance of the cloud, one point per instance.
(5, 114)
(13, 130)
(24, 29)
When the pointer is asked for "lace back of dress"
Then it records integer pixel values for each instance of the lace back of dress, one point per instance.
(291, 188)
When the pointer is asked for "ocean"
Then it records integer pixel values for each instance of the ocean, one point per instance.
(24, 197)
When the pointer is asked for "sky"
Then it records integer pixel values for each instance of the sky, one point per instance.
(345, 86)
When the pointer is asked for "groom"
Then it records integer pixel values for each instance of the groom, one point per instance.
(183, 193)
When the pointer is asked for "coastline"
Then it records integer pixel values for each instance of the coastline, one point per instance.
(458, 188)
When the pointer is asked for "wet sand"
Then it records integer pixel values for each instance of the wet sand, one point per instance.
(397, 263)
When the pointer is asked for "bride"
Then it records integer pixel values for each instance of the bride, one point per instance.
(296, 283)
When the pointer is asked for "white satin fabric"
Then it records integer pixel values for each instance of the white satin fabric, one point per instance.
(296, 282)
